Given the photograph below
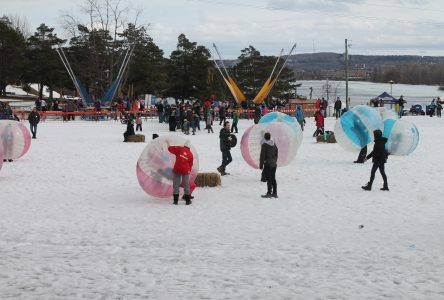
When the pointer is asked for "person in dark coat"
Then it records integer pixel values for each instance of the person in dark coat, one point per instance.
(338, 106)
(189, 122)
(401, 103)
(159, 107)
(225, 146)
(129, 130)
(34, 119)
(222, 114)
(268, 163)
(172, 118)
(257, 114)
(38, 104)
(379, 158)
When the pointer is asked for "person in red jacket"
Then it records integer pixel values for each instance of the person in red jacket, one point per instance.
(182, 170)
(319, 119)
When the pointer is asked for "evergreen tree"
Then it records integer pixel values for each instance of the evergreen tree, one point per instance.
(147, 68)
(253, 70)
(44, 66)
(12, 49)
(189, 70)
(90, 56)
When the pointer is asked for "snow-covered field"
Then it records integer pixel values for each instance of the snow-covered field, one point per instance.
(74, 223)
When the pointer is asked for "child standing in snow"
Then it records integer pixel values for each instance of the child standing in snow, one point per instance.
(139, 123)
(235, 120)
(209, 121)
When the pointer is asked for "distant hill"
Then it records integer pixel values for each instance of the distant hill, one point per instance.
(331, 65)
(335, 61)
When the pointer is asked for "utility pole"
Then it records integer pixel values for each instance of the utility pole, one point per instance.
(347, 104)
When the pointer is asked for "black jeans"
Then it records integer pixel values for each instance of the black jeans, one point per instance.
(138, 127)
(33, 130)
(270, 175)
(375, 167)
(338, 113)
(319, 130)
(226, 158)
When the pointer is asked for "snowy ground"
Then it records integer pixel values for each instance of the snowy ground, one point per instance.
(74, 223)
(16, 90)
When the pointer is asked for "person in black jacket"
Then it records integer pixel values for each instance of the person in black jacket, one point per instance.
(225, 146)
(129, 129)
(268, 162)
(379, 155)
(257, 114)
(222, 114)
(34, 119)
(338, 106)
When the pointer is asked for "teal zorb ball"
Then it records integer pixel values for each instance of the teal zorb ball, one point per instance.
(280, 117)
(403, 136)
(354, 130)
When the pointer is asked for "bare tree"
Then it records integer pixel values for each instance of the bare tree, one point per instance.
(69, 23)
(105, 21)
(21, 24)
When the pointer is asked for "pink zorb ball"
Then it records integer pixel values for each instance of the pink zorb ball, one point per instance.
(1, 159)
(286, 138)
(15, 139)
(155, 166)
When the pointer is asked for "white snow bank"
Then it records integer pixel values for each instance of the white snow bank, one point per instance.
(35, 86)
(16, 90)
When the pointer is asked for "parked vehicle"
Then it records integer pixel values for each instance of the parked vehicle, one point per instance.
(417, 110)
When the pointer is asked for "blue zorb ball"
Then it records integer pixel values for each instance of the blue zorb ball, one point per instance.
(354, 129)
(403, 136)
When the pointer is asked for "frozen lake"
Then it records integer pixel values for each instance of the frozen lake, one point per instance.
(360, 91)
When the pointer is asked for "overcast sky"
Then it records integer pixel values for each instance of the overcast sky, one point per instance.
(373, 27)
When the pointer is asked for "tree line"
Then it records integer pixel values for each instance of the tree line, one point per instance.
(428, 74)
(96, 51)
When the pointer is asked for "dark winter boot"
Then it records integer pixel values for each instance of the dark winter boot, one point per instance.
(176, 199)
(184, 198)
(267, 195)
(187, 200)
(274, 195)
(385, 188)
(220, 170)
(367, 187)
(224, 173)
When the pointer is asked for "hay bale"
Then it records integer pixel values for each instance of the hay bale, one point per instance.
(207, 179)
(329, 138)
(136, 138)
